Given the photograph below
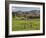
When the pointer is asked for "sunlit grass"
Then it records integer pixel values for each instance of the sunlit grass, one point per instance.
(20, 25)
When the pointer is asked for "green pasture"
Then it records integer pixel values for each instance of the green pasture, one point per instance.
(23, 25)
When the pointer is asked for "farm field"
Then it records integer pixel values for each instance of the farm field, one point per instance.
(24, 25)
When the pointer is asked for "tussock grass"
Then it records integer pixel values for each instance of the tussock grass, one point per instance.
(21, 25)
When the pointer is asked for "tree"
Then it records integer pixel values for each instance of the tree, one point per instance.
(13, 14)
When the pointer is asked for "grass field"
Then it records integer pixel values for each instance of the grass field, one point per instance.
(23, 25)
